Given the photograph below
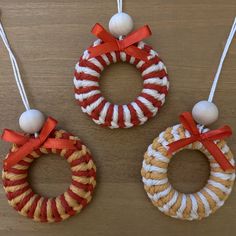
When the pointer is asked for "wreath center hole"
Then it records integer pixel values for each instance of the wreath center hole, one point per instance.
(188, 171)
(121, 83)
(50, 175)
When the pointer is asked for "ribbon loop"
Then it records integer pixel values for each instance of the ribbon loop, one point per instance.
(207, 139)
(188, 122)
(138, 35)
(110, 43)
(99, 31)
(14, 137)
(28, 144)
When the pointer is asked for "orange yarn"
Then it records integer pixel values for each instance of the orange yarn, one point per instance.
(173, 203)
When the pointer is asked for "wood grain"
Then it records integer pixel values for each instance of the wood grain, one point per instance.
(48, 36)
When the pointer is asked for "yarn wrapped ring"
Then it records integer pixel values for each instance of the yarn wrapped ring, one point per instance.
(21, 196)
(87, 90)
(193, 206)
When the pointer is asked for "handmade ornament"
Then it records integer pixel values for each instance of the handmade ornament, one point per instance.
(122, 45)
(191, 134)
(41, 137)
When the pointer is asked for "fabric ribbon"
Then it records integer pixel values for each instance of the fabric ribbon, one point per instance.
(111, 44)
(207, 139)
(28, 144)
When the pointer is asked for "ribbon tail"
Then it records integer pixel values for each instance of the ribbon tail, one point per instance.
(14, 157)
(176, 145)
(60, 143)
(137, 53)
(218, 155)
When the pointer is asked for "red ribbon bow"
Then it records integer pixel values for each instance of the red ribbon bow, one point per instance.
(111, 44)
(28, 144)
(205, 138)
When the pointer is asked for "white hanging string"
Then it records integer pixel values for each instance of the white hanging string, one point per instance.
(119, 5)
(15, 68)
(226, 48)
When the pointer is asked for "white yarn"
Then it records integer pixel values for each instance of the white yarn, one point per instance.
(15, 68)
(119, 5)
(226, 48)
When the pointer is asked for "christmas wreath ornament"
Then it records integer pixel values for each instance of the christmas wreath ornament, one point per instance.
(120, 46)
(192, 134)
(41, 137)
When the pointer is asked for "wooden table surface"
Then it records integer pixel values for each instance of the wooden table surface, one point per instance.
(48, 37)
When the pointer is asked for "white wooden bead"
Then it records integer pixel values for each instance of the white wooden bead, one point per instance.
(205, 112)
(31, 121)
(121, 24)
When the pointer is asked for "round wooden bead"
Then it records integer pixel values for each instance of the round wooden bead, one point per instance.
(31, 121)
(205, 112)
(121, 24)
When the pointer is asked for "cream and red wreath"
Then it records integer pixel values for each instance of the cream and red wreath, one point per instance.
(24, 151)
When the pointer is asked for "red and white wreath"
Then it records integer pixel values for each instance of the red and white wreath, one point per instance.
(107, 50)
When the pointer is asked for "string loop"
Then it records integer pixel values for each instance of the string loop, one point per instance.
(119, 5)
(15, 67)
(226, 48)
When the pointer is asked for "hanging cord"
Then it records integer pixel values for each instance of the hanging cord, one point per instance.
(15, 68)
(119, 5)
(119, 9)
(226, 48)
